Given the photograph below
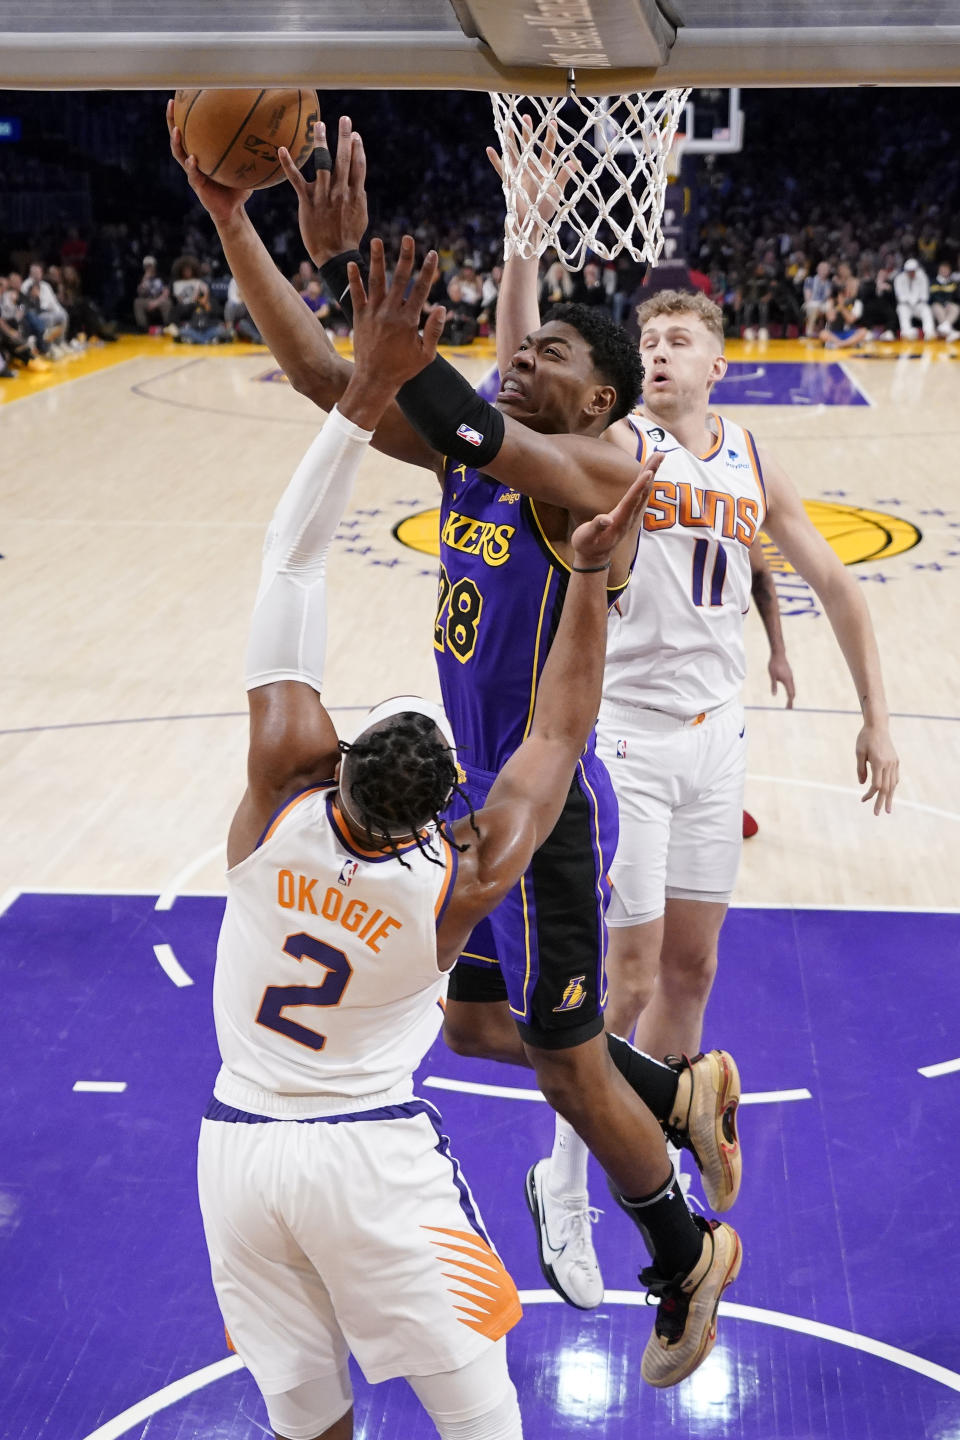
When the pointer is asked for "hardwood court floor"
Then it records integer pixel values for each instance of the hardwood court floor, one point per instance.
(133, 504)
(132, 511)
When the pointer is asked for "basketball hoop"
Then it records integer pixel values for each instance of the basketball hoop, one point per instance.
(586, 175)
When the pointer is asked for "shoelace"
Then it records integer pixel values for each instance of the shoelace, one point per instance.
(574, 1231)
(674, 1303)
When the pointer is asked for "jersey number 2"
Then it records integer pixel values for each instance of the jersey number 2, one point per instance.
(329, 992)
(719, 574)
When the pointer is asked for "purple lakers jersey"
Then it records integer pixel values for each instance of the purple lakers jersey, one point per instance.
(502, 587)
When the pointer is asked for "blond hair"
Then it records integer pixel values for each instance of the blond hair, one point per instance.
(683, 302)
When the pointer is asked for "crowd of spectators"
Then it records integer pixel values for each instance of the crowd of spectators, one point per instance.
(839, 221)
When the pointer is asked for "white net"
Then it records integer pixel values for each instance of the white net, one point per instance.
(586, 175)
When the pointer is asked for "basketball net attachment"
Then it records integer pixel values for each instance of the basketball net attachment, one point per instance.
(586, 175)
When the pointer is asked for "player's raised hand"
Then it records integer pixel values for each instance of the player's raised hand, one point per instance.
(332, 209)
(388, 346)
(595, 541)
(222, 202)
(543, 179)
(875, 750)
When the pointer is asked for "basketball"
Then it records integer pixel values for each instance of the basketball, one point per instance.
(235, 134)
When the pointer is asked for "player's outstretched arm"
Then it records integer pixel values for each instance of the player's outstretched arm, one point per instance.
(291, 331)
(764, 592)
(441, 405)
(528, 795)
(789, 527)
(293, 743)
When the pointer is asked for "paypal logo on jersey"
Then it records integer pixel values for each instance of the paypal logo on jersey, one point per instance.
(737, 461)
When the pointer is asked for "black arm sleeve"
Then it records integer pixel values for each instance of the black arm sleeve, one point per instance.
(441, 405)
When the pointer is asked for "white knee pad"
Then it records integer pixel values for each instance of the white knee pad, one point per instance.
(476, 1402)
(307, 1410)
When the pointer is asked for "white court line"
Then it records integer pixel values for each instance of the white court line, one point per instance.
(101, 1087)
(169, 1395)
(849, 790)
(7, 899)
(524, 1092)
(169, 892)
(798, 1324)
(946, 1067)
(171, 966)
(856, 384)
(867, 907)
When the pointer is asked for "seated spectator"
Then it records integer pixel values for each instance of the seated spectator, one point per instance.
(203, 326)
(152, 304)
(16, 341)
(758, 291)
(461, 323)
(44, 311)
(237, 317)
(944, 294)
(816, 297)
(489, 294)
(912, 290)
(315, 300)
(305, 273)
(189, 289)
(85, 316)
(879, 305)
(470, 288)
(589, 289)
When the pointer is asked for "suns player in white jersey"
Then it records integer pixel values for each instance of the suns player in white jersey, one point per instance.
(336, 1218)
(671, 729)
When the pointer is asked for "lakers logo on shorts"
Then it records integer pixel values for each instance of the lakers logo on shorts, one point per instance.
(573, 996)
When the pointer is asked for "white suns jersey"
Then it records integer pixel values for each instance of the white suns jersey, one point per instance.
(675, 638)
(326, 994)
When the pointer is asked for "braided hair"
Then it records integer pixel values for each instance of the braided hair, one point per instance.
(401, 775)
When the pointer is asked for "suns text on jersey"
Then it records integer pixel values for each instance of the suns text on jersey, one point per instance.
(672, 503)
(478, 537)
(297, 892)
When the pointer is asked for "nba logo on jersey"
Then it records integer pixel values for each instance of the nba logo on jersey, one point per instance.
(573, 995)
(347, 873)
(621, 749)
(472, 437)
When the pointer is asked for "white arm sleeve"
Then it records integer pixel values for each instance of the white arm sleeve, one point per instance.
(288, 633)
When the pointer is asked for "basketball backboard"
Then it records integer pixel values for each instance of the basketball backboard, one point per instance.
(613, 45)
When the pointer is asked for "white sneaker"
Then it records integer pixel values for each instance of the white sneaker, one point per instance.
(763, 333)
(565, 1244)
(888, 335)
(908, 334)
(749, 333)
(952, 334)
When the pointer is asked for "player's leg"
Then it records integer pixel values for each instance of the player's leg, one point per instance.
(672, 1022)
(476, 1018)
(476, 1402)
(693, 1260)
(276, 1307)
(706, 840)
(298, 1414)
(421, 1292)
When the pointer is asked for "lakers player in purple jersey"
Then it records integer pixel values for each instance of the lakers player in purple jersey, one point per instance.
(518, 479)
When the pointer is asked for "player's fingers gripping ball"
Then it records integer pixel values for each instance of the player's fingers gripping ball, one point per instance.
(235, 134)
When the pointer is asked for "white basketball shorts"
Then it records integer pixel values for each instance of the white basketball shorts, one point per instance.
(356, 1233)
(679, 787)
